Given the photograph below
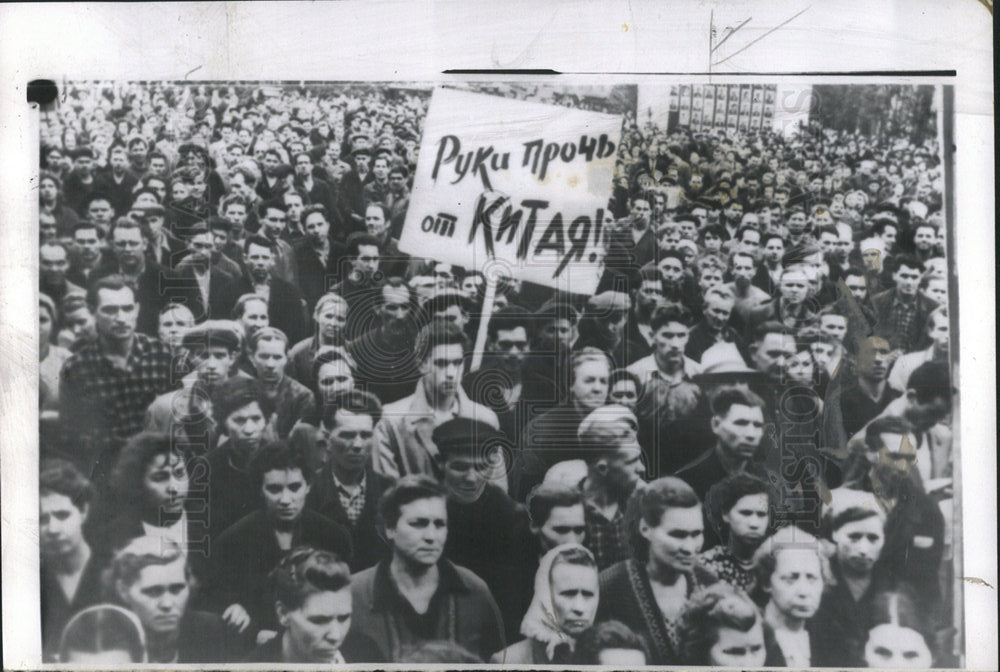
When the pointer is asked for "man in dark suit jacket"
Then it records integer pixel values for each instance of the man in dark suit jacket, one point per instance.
(347, 489)
(130, 261)
(317, 256)
(245, 554)
(285, 306)
(901, 313)
(206, 291)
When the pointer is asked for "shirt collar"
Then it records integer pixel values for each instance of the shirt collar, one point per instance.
(344, 489)
(386, 592)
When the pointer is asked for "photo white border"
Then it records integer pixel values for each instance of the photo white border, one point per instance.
(407, 41)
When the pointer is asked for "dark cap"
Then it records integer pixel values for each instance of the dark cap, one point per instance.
(466, 437)
(213, 333)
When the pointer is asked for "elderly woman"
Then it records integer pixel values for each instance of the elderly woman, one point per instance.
(722, 627)
(650, 591)
(563, 607)
(791, 573)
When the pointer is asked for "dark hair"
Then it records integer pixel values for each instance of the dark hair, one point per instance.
(110, 282)
(353, 401)
(312, 210)
(357, 239)
(650, 503)
(507, 319)
(743, 229)
(306, 571)
(607, 635)
(665, 314)
(766, 238)
(270, 205)
(900, 607)
(60, 477)
(127, 477)
(101, 628)
(909, 261)
(618, 375)
(929, 381)
(233, 394)
(771, 327)
(407, 489)
(258, 240)
(724, 495)
(546, 496)
(438, 332)
(709, 609)
(278, 456)
(439, 652)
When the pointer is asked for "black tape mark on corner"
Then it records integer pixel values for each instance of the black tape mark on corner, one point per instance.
(42, 91)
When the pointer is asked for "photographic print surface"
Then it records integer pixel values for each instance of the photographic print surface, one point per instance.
(498, 372)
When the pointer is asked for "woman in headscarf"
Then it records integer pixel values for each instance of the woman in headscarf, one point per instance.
(563, 607)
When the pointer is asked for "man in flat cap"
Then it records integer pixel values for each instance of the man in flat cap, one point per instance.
(212, 348)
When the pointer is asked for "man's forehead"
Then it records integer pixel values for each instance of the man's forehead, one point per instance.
(106, 295)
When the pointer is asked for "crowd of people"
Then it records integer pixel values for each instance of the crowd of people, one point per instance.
(262, 439)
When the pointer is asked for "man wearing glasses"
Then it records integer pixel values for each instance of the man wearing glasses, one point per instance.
(106, 387)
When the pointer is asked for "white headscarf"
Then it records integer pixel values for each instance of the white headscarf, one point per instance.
(540, 621)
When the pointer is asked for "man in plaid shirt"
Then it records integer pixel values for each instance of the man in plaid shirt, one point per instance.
(106, 387)
(614, 470)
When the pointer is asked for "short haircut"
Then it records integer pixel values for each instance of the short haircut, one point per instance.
(724, 495)
(87, 225)
(235, 393)
(259, 241)
(357, 239)
(930, 380)
(664, 315)
(650, 503)
(607, 635)
(139, 553)
(407, 489)
(220, 224)
(588, 354)
(267, 334)
(726, 396)
(771, 327)
(743, 229)
(315, 208)
(546, 496)
(60, 477)
(270, 205)
(507, 319)
(707, 611)
(909, 261)
(765, 559)
(672, 254)
(381, 206)
(278, 456)
(241, 304)
(110, 282)
(306, 571)
(352, 401)
(437, 333)
(767, 237)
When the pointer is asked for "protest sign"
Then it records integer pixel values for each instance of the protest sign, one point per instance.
(522, 184)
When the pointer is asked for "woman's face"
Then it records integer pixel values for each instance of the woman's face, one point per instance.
(797, 582)
(245, 426)
(801, 368)
(590, 384)
(47, 190)
(334, 377)
(748, 518)
(733, 648)
(895, 647)
(859, 544)
(165, 482)
(675, 542)
(574, 597)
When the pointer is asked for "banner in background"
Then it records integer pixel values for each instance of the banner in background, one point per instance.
(519, 184)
